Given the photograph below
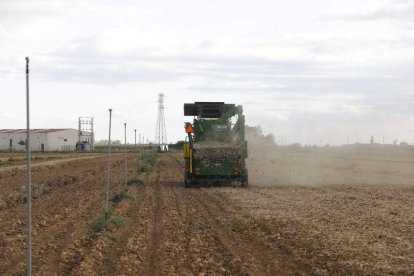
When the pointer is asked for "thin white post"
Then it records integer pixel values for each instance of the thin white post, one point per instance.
(135, 150)
(140, 154)
(109, 167)
(29, 176)
(125, 158)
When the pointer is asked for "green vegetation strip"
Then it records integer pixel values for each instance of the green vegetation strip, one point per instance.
(101, 224)
(151, 159)
(135, 181)
(147, 168)
(149, 162)
(121, 196)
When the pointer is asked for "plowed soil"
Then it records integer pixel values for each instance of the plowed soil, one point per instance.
(340, 227)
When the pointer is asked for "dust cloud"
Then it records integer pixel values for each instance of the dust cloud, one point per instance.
(269, 164)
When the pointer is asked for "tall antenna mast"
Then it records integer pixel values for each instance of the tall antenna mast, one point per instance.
(86, 134)
(160, 132)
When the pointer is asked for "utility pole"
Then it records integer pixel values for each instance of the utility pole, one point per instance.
(125, 158)
(148, 150)
(135, 150)
(143, 144)
(140, 154)
(29, 176)
(109, 167)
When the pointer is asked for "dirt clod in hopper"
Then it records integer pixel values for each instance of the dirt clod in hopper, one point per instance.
(211, 152)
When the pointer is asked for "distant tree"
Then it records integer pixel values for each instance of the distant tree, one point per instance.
(101, 142)
(104, 142)
(404, 144)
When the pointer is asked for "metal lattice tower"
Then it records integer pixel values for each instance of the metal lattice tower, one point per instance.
(160, 132)
(86, 133)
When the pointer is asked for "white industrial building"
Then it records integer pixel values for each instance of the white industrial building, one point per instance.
(50, 139)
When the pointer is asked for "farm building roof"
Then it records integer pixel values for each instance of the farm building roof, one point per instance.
(34, 130)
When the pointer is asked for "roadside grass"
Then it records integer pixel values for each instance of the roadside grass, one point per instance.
(149, 162)
(134, 181)
(52, 157)
(121, 196)
(117, 221)
(10, 160)
(145, 168)
(162, 163)
(101, 224)
(113, 238)
(152, 158)
(13, 160)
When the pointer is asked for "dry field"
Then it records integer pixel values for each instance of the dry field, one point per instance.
(307, 211)
(8, 159)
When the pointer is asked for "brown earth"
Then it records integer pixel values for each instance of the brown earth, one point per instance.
(18, 159)
(354, 217)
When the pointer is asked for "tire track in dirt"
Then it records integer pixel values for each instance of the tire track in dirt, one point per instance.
(201, 229)
(179, 221)
(215, 208)
(154, 253)
(248, 249)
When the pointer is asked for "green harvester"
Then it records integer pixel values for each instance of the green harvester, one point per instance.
(215, 149)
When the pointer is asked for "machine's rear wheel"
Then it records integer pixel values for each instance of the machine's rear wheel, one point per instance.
(187, 182)
(244, 180)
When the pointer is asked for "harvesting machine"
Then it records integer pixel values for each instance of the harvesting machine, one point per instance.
(215, 148)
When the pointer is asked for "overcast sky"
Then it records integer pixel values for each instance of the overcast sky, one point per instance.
(306, 71)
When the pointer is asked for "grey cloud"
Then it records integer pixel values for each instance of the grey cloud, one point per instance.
(234, 75)
(392, 102)
(85, 59)
(99, 74)
(389, 12)
(292, 84)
